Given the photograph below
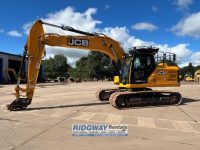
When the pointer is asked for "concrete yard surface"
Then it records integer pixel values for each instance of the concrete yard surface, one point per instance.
(47, 122)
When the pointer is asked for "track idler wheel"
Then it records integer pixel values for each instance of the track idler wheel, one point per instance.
(103, 95)
(119, 102)
(18, 104)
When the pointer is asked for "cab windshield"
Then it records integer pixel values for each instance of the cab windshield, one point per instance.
(125, 69)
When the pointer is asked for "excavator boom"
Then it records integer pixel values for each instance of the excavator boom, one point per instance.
(35, 51)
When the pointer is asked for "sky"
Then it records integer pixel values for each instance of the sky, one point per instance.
(171, 25)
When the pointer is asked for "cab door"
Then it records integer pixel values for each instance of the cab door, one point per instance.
(142, 67)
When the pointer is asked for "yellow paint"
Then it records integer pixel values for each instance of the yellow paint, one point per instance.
(167, 79)
(116, 80)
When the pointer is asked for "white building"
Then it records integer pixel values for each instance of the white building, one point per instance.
(13, 61)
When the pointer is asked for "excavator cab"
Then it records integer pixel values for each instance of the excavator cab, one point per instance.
(143, 68)
(138, 65)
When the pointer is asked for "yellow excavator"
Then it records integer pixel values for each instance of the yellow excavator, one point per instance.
(188, 77)
(138, 70)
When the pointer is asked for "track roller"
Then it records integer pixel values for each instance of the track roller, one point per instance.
(144, 98)
(104, 94)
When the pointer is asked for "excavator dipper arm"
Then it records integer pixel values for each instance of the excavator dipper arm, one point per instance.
(34, 50)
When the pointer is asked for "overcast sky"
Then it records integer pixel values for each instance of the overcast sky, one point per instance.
(172, 25)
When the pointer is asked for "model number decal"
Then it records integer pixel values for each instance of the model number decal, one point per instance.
(77, 42)
(161, 72)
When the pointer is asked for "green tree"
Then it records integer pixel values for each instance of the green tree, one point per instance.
(188, 70)
(95, 65)
(83, 68)
(56, 66)
(100, 65)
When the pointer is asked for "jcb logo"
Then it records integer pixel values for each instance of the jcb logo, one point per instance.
(78, 42)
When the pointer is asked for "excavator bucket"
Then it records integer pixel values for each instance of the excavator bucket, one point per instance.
(19, 104)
